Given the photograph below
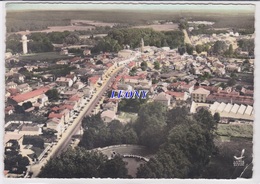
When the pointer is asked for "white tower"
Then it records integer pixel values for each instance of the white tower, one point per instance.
(142, 45)
(24, 41)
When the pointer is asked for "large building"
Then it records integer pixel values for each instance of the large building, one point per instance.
(200, 95)
(233, 111)
(32, 96)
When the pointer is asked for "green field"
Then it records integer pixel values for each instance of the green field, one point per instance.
(229, 130)
(44, 56)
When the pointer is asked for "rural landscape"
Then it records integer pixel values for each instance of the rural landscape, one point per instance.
(66, 66)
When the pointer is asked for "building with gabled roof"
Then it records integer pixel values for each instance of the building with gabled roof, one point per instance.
(31, 96)
(163, 98)
(200, 95)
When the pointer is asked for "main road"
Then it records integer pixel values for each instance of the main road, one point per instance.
(64, 141)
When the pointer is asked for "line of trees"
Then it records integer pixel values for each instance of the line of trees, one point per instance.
(117, 38)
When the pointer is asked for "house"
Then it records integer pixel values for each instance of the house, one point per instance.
(42, 101)
(110, 106)
(30, 129)
(79, 85)
(88, 91)
(233, 68)
(64, 52)
(108, 116)
(55, 124)
(86, 52)
(12, 92)
(23, 88)
(63, 81)
(72, 77)
(31, 96)
(92, 81)
(179, 96)
(17, 77)
(62, 62)
(11, 85)
(163, 98)
(9, 139)
(200, 95)
(9, 110)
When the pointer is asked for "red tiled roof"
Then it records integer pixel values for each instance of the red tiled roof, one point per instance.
(13, 91)
(74, 98)
(29, 95)
(55, 108)
(175, 94)
(75, 59)
(210, 88)
(109, 65)
(131, 64)
(66, 106)
(93, 79)
(55, 115)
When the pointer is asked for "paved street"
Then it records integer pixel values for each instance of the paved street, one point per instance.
(72, 129)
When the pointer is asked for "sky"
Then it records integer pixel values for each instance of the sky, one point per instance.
(115, 6)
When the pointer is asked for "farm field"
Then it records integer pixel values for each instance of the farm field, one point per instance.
(160, 27)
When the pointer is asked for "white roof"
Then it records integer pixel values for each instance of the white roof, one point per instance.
(214, 106)
(201, 91)
(241, 109)
(228, 107)
(249, 110)
(108, 113)
(235, 108)
(221, 107)
(162, 97)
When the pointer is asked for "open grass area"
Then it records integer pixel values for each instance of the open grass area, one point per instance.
(240, 130)
(44, 56)
(128, 116)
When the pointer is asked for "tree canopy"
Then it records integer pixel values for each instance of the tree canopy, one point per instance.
(85, 164)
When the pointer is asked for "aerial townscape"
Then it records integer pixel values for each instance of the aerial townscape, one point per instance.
(65, 69)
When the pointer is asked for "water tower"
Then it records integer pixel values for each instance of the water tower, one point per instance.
(24, 41)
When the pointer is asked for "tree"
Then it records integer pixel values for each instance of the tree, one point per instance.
(183, 24)
(19, 109)
(16, 163)
(219, 47)
(150, 124)
(114, 168)
(99, 62)
(199, 48)
(216, 117)
(189, 49)
(156, 65)
(206, 120)
(231, 82)
(35, 140)
(27, 105)
(53, 94)
(181, 50)
(74, 163)
(72, 38)
(144, 65)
